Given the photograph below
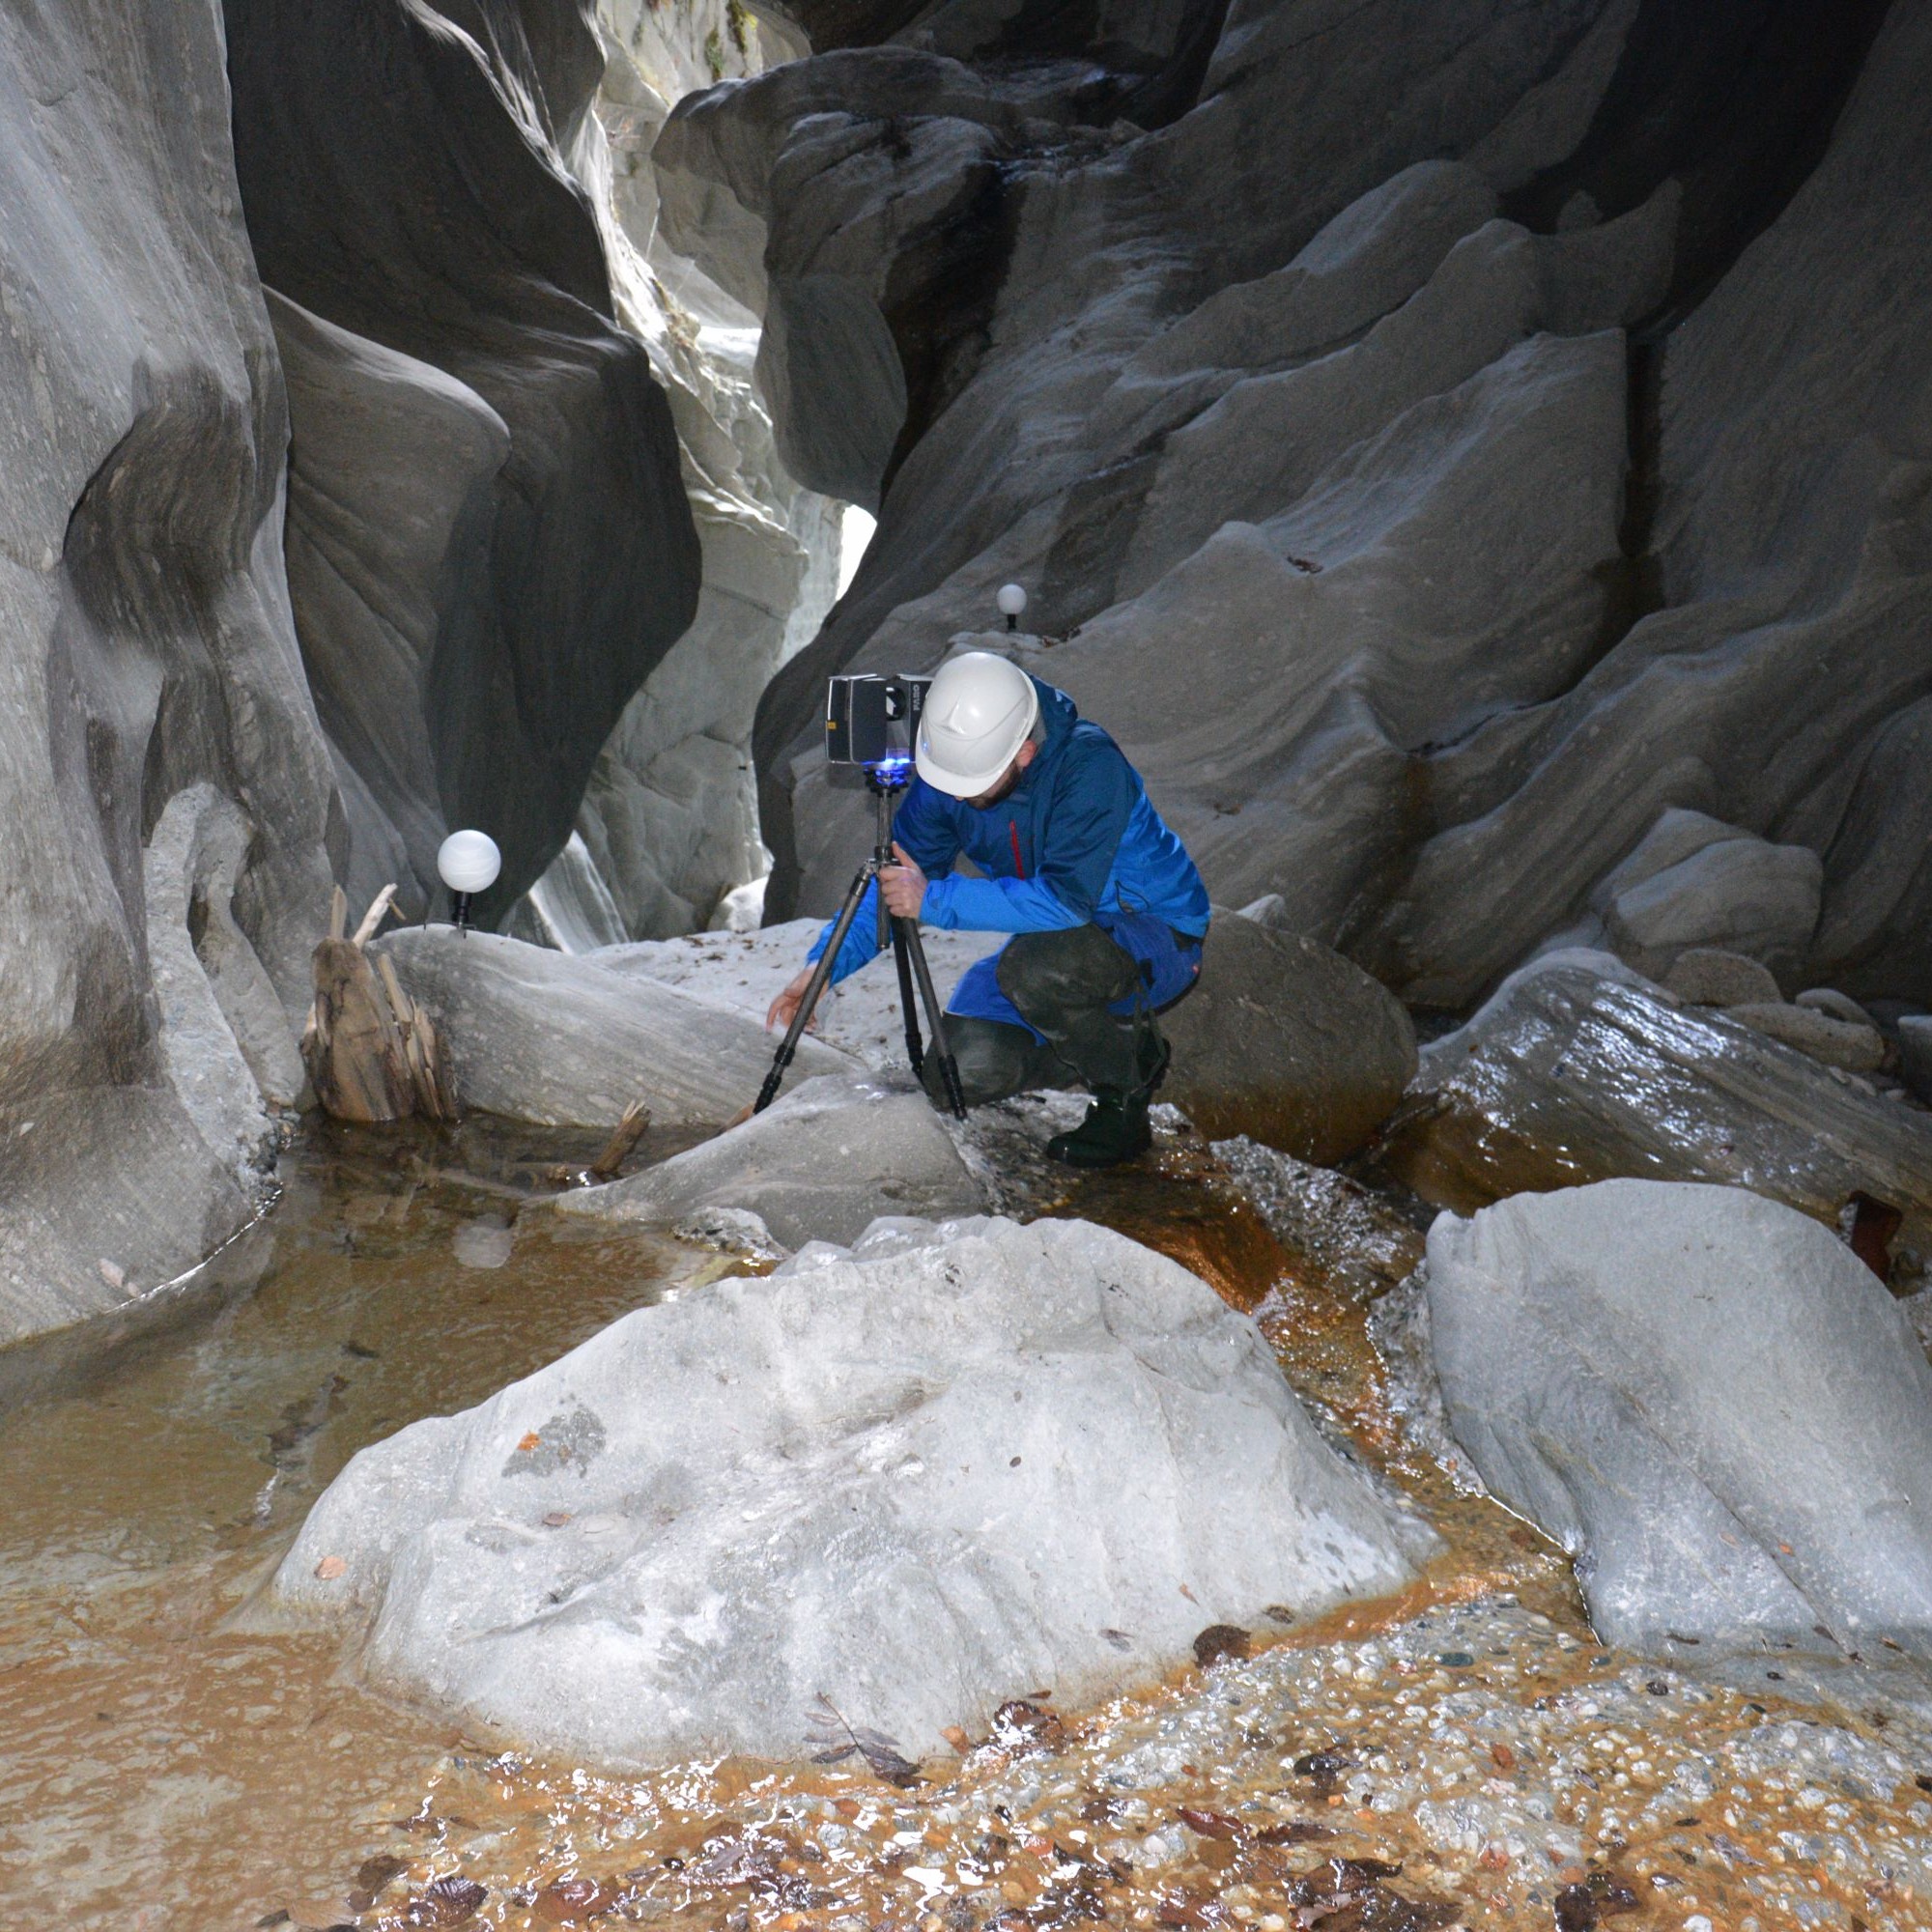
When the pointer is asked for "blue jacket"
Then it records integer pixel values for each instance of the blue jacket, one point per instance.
(1077, 837)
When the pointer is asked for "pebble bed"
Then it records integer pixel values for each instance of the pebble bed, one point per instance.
(1462, 1755)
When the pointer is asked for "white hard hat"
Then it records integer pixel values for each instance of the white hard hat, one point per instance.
(975, 719)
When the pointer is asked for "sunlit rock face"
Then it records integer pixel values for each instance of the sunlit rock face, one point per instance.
(916, 1477)
(154, 696)
(1708, 1399)
(1419, 429)
(669, 818)
(491, 546)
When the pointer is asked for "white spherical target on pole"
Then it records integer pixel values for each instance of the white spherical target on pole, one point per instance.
(1012, 600)
(468, 862)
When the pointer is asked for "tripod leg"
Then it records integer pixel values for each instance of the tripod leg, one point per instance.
(815, 988)
(901, 958)
(935, 1018)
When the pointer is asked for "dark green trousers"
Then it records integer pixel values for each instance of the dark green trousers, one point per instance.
(1063, 983)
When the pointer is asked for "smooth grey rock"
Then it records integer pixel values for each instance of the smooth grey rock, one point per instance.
(570, 907)
(1284, 1039)
(1839, 1006)
(821, 1163)
(391, 470)
(539, 1036)
(189, 868)
(1707, 1399)
(1739, 894)
(146, 647)
(916, 1477)
(1857, 1047)
(859, 1017)
(1578, 1071)
(1769, 690)
(1915, 1053)
(407, 174)
(1707, 975)
(110, 1193)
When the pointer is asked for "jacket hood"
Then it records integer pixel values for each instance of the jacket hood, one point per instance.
(1058, 713)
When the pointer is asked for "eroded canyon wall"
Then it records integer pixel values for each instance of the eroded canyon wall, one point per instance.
(164, 787)
(490, 543)
(1440, 441)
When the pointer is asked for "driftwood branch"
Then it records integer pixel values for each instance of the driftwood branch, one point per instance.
(372, 1053)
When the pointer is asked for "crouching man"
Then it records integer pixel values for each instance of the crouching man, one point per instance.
(1106, 909)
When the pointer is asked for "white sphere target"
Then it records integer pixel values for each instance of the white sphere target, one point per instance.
(1013, 600)
(468, 862)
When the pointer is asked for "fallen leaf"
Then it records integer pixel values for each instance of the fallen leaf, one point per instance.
(1505, 1758)
(1296, 1831)
(571, 1900)
(1580, 1907)
(1324, 1767)
(1210, 1824)
(330, 1567)
(529, 1441)
(373, 1874)
(1219, 1642)
(957, 1738)
(555, 1518)
(447, 1902)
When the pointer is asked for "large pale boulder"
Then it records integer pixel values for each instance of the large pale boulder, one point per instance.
(914, 1478)
(1707, 1399)
(540, 1036)
(821, 1163)
(861, 1015)
(1578, 1071)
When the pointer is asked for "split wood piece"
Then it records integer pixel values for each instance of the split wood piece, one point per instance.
(624, 1136)
(354, 1050)
(379, 907)
(423, 1051)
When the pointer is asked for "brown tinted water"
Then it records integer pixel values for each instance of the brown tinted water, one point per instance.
(159, 1770)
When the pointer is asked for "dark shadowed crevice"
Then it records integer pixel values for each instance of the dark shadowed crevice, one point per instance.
(940, 300)
(1737, 98)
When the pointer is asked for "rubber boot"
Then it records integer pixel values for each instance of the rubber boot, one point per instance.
(1116, 1127)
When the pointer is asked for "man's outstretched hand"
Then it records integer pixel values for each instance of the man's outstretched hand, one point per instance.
(784, 1008)
(902, 886)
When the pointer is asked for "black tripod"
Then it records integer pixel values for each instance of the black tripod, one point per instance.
(885, 782)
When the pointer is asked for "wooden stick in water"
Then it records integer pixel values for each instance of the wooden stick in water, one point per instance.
(624, 1136)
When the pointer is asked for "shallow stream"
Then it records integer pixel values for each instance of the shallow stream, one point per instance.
(160, 1770)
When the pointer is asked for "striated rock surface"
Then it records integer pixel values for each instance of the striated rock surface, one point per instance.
(1576, 1071)
(1707, 1399)
(916, 1477)
(537, 1036)
(824, 1162)
(147, 652)
(1389, 377)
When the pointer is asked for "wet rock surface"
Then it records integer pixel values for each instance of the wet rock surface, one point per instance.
(1708, 1399)
(1576, 1071)
(821, 1163)
(941, 1468)
(537, 1036)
